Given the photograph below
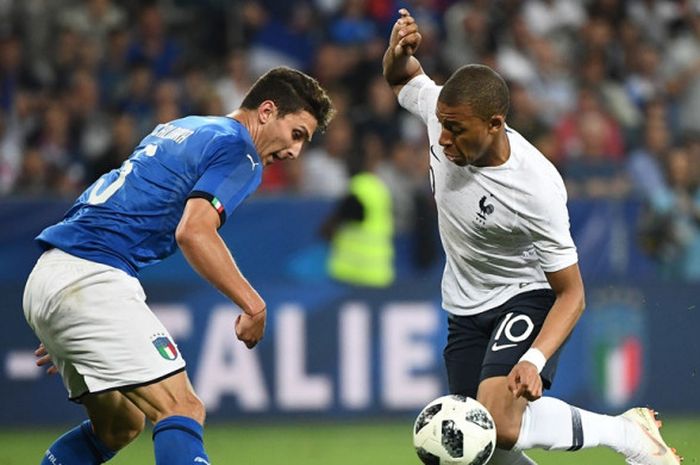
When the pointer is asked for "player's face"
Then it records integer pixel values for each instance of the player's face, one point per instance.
(285, 136)
(465, 137)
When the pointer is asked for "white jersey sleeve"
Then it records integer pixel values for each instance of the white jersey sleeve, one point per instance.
(549, 226)
(419, 96)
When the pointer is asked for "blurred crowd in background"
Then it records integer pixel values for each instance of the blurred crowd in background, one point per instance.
(608, 90)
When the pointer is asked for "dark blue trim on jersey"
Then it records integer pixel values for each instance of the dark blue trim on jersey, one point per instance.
(432, 152)
(208, 197)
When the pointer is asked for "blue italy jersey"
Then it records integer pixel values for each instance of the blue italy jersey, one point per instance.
(127, 218)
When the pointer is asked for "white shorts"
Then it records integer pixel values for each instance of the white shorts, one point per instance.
(95, 324)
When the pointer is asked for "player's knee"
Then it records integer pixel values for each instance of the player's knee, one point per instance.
(188, 405)
(507, 424)
(197, 409)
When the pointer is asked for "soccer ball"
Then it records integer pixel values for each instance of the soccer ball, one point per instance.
(454, 430)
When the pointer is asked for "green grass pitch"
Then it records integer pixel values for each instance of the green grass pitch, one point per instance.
(308, 443)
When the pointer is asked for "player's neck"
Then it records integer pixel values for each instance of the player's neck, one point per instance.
(249, 121)
(499, 152)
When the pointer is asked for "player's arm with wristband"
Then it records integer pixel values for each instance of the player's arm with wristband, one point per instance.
(524, 380)
(400, 66)
(207, 253)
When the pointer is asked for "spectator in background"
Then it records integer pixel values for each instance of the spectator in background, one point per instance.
(646, 163)
(643, 82)
(380, 114)
(555, 19)
(153, 44)
(469, 38)
(405, 173)
(361, 230)
(352, 25)
(681, 67)
(90, 126)
(324, 169)
(568, 129)
(525, 113)
(654, 17)
(283, 39)
(36, 177)
(591, 171)
(93, 20)
(52, 140)
(231, 87)
(137, 99)
(114, 67)
(615, 100)
(122, 142)
(670, 229)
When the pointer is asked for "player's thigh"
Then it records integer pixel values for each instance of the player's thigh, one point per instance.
(95, 323)
(173, 395)
(464, 354)
(115, 419)
(515, 326)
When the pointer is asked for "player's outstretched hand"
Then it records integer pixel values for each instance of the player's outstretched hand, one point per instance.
(405, 38)
(524, 381)
(250, 329)
(45, 359)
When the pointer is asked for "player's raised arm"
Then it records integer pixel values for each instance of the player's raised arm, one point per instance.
(400, 66)
(207, 253)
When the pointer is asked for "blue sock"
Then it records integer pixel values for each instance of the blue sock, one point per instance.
(79, 446)
(178, 440)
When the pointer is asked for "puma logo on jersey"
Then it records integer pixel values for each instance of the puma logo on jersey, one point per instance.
(252, 161)
(150, 150)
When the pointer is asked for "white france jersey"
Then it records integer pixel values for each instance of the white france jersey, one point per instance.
(501, 227)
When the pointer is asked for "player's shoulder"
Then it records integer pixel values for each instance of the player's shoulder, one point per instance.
(536, 170)
(419, 95)
(220, 125)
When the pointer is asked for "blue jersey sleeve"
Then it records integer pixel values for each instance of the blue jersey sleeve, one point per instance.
(232, 173)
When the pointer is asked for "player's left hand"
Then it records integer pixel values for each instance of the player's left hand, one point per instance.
(524, 381)
(45, 359)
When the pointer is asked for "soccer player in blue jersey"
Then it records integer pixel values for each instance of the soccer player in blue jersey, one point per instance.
(84, 301)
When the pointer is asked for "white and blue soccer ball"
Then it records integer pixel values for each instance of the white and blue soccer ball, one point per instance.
(454, 430)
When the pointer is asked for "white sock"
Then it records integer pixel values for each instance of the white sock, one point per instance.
(510, 457)
(552, 424)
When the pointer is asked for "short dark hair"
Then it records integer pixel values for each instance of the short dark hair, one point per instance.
(480, 87)
(292, 91)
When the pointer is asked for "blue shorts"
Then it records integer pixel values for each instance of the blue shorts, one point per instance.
(491, 343)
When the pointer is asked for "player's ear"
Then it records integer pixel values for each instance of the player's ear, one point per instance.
(266, 111)
(496, 122)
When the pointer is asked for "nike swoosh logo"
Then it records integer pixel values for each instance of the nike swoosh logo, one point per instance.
(496, 347)
(660, 449)
(201, 460)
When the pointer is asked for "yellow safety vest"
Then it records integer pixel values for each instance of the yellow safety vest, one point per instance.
(362, 252)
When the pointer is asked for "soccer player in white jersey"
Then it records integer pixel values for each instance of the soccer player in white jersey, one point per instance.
(83, 298)
(511, 284)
